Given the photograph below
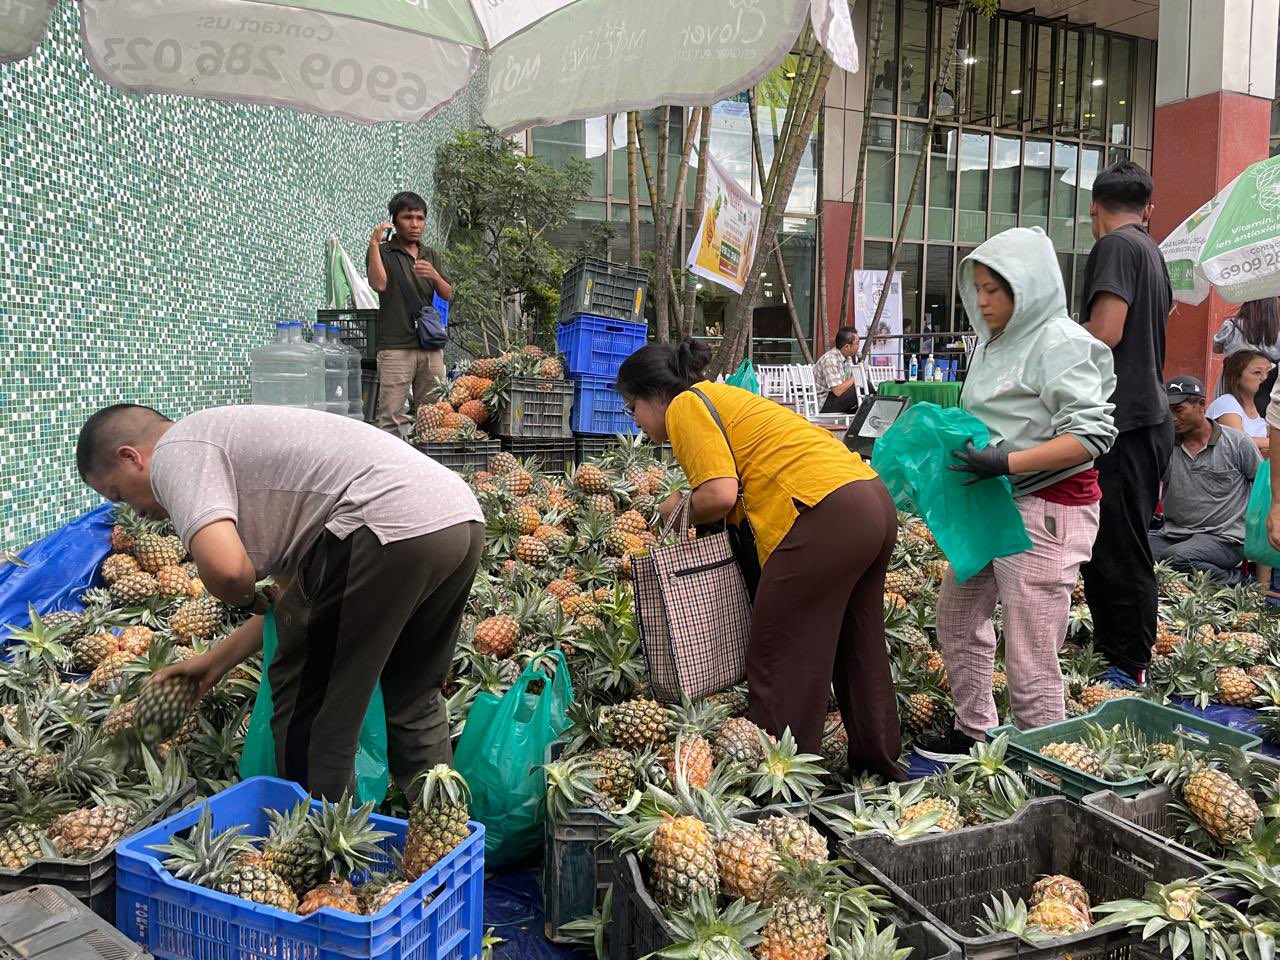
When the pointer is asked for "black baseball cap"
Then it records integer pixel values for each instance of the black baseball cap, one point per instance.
(1184, 388)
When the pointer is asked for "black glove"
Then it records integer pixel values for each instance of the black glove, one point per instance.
(984, 464)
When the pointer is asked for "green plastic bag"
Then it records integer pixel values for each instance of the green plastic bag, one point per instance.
(502, 746)
(258, 758)
(1257, 547)
(972, 524)
(744, 377)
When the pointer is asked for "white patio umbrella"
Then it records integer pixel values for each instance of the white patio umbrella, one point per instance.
(371, 60)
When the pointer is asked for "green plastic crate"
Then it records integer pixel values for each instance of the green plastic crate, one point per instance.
(1159, 724)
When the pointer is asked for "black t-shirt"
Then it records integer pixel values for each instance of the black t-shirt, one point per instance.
(396, 326)
(1127, 263)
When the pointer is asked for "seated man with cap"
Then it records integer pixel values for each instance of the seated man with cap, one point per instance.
(1206, 489)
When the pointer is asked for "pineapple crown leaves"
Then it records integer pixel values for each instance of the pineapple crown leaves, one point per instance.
(705, 932)
(1251, 882)
(443, 786)
(593, 930)
(570, 785)
(827, 882)
(37, 809)
(1181, 918)
(868, 942)
(701, 718)
(986, 764)
(348, 841)
(1004, 915)
(39, 644)
(786, 774)
(201, 857)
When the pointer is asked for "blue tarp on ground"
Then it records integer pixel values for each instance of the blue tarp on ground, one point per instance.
(1238, 718)
(57, 569)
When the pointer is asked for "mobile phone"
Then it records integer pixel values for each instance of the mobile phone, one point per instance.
(388, 234)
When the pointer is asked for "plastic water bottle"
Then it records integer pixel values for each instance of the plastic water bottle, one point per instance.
(355, 380)
(310, 361)
(336, 371)
(928, 368)
(266, 385)
(913, 371)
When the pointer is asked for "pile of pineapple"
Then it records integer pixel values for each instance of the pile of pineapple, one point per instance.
(92, 745)
(462, 407)
(327, 855)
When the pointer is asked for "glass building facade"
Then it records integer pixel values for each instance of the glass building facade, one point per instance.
(1033, 109)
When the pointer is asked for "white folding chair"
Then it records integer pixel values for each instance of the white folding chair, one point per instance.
(880, 373)
(804, 391)
(773, 382)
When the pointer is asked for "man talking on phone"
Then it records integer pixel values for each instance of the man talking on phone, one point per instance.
(407, 275)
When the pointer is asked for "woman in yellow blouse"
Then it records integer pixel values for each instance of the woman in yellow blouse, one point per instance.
(824, 526)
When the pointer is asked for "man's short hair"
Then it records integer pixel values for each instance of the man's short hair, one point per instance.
(405, 200)
(120, 425)
(845, 336)
(1123, 186)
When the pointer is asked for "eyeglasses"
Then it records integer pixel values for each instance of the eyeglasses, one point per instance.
(629, 409)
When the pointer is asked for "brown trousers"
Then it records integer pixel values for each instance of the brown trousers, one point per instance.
(360, 612)
(818, 619)
(400, 371)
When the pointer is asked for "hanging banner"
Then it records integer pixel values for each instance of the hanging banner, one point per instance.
(886, 345)
(727, 234)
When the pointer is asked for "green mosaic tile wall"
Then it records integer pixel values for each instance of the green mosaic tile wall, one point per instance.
(148, 243)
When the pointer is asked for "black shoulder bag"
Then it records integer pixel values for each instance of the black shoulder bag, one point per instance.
(426, 319)
(742, 539)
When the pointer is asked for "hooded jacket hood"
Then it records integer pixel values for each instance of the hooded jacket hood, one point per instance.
(1043, 376)
(1025, 257)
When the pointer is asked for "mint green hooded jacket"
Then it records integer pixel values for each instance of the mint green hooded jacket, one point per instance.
(1044, 375)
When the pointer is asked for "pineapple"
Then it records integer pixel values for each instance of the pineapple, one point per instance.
(738, 741)
(901, 582)
(220, 863)
(894, 601)
(631, 522)
(486, 368)
(551, 369)
(136, 639)
(525, 518)
(1058, 918)
(109, 670)
(591, 479)
(292, 848)
(84, 833)
(497, 636)
(794, 838)
(23, 843)
(1061, 887)
(835, 743)
(950, 815)
(173, 582)
(133, 589)
(532, 551)
(691, 756)
(1077, 755)
(378, 895)
(119, 565)
(636, 724)
(119, 720)
(1223, 807)
(615, 774)
(517, 482)
(163, 705)
(337, 895)
(682, 857)
(919, 712)
(1096, 694)
(428, 417)
(747, 863)
(154, 551)
(198, 617)
(500, 464)
(437, 819)
(122, 538)
(1235, 687)
(797, 928)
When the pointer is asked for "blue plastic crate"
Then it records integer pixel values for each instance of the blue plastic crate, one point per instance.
(596, 346)
(597, 407)
(440, 916)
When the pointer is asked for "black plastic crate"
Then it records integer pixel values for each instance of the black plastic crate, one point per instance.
(947, 878)
(461, 456)
(91, 882)
(577, 861)
(553, 455)
(1149, 811)
(48, 923)
(603, 289)
(639, 929)
(537, 408)
(359, 329)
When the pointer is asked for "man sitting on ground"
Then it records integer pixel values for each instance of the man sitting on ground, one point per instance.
(1206, 489)
(835, 374)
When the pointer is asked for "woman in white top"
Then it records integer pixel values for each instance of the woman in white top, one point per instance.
(1255, 327)
(1242, 375)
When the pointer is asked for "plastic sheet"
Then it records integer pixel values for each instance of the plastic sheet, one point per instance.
(58, 569)
(973, 522)
(1238, 718)
(513, 909)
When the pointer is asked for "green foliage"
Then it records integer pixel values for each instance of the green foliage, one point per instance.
(498, 205)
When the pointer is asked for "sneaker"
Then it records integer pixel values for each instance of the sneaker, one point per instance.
(949, 747)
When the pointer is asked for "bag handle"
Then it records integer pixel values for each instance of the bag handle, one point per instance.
(413, 284)
(679, 518)
(504, 718)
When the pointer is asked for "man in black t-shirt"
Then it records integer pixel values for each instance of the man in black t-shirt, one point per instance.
(406, 273)
(1127, 297)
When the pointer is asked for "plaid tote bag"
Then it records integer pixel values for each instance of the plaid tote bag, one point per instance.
(693, 614)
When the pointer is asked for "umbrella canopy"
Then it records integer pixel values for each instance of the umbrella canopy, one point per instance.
(542, 61)
(1232, 243)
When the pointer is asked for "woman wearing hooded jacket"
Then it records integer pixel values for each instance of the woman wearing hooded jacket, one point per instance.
(1039, 382)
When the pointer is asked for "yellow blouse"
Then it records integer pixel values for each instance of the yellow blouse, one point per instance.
(780, 456)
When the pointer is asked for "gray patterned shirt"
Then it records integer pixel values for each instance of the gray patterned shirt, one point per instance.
(832, 369)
